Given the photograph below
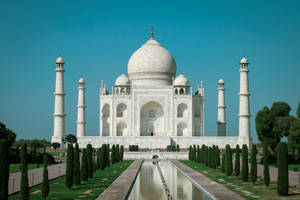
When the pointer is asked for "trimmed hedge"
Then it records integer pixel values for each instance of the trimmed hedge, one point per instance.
(283, 175)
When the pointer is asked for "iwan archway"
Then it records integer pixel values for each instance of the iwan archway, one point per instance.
(152, 119)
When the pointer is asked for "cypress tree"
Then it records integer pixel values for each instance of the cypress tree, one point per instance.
(253, 161)
(107, 157)
(24, 174)
(89, 153)
(98, 158)
(190, 152)
(45, 189)
(122, 153)
(237, 164)
(76, 165)
(207, 156)
(228, 161)
(118, 153)
(217, 157)
(213, 157)
(223, 162)
(266, 163)
(245, 167)
(102, 157)
(283, 175)
(84, 166)
(4, 169)
(204, 155)
(198, 153)
(201, 153)
(70, 166)
(194, 153)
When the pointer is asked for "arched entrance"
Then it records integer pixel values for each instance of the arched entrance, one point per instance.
(152, 119)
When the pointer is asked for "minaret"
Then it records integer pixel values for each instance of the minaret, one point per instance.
(244, 114)
(81, 109)
(59, 105)
(221, 109)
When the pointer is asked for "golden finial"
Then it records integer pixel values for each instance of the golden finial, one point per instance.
(152, 33)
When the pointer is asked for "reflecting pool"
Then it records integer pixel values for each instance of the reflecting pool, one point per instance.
(161, 181)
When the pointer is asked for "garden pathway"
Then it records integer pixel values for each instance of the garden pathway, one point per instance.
(35, 176)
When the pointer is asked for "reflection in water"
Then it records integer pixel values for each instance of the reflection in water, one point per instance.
(148, 185)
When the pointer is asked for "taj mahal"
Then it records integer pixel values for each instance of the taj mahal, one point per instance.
(153, 107)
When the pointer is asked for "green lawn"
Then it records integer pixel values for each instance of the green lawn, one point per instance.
(16, 168)
(248, 190)
(88, 190)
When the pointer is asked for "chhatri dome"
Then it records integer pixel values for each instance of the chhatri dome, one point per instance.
(122, 80)
(244, 60)
(181, 81)
(151, 64)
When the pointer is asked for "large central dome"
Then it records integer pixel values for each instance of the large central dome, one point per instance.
(151, 64)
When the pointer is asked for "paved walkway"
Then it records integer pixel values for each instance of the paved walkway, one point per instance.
(215, 189)
(35, 177)
(119, 189)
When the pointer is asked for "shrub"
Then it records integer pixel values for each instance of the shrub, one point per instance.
(206, 155)
(202, 154)
(253, 164)
(84, 166)
(209, 157)
(245, 167)
(223, 162)
(177, 148)
(45, 188)
(237, 165)
(70, 166)
(24, 174)
(213, 157)
(76, 165)
(283, 176)
(266, 163)
(228, 161)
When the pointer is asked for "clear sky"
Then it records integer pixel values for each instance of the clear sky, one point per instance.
(97, 38)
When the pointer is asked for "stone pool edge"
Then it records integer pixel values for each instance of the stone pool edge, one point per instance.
(121, 187)
(212, 188)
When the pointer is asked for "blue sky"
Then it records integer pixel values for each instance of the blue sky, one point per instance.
(97, 38)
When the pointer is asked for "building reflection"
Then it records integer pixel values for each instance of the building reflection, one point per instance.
(148, 185)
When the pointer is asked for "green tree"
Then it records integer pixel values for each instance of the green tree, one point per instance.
(89, 153)
(253, 164)
(217, 157)
(237, 165)
(283, 175)
(223, 162)
(214, 165)
(122, 153)
(55, 145)
(298, 111)
(113, 154)
(70, 166)
(102, 157)
(24, 174)
(7, 138)
(266, 163)
(245, 167)
(273, 124)
(76, 165)
(228, 160)
(45, 188)
(71, 139)
(209, 157)
(294, 135)
(198, 153)
(84, 166)
(190, 152)
(4, 168)
(204, 155)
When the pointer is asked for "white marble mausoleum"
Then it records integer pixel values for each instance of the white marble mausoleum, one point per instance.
(152, 107)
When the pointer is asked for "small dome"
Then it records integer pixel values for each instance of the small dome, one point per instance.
(60, 60)
(122, 80)
(151, 64)
(221, 81)
(244, 60)
(181, 81)
(81, 80)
